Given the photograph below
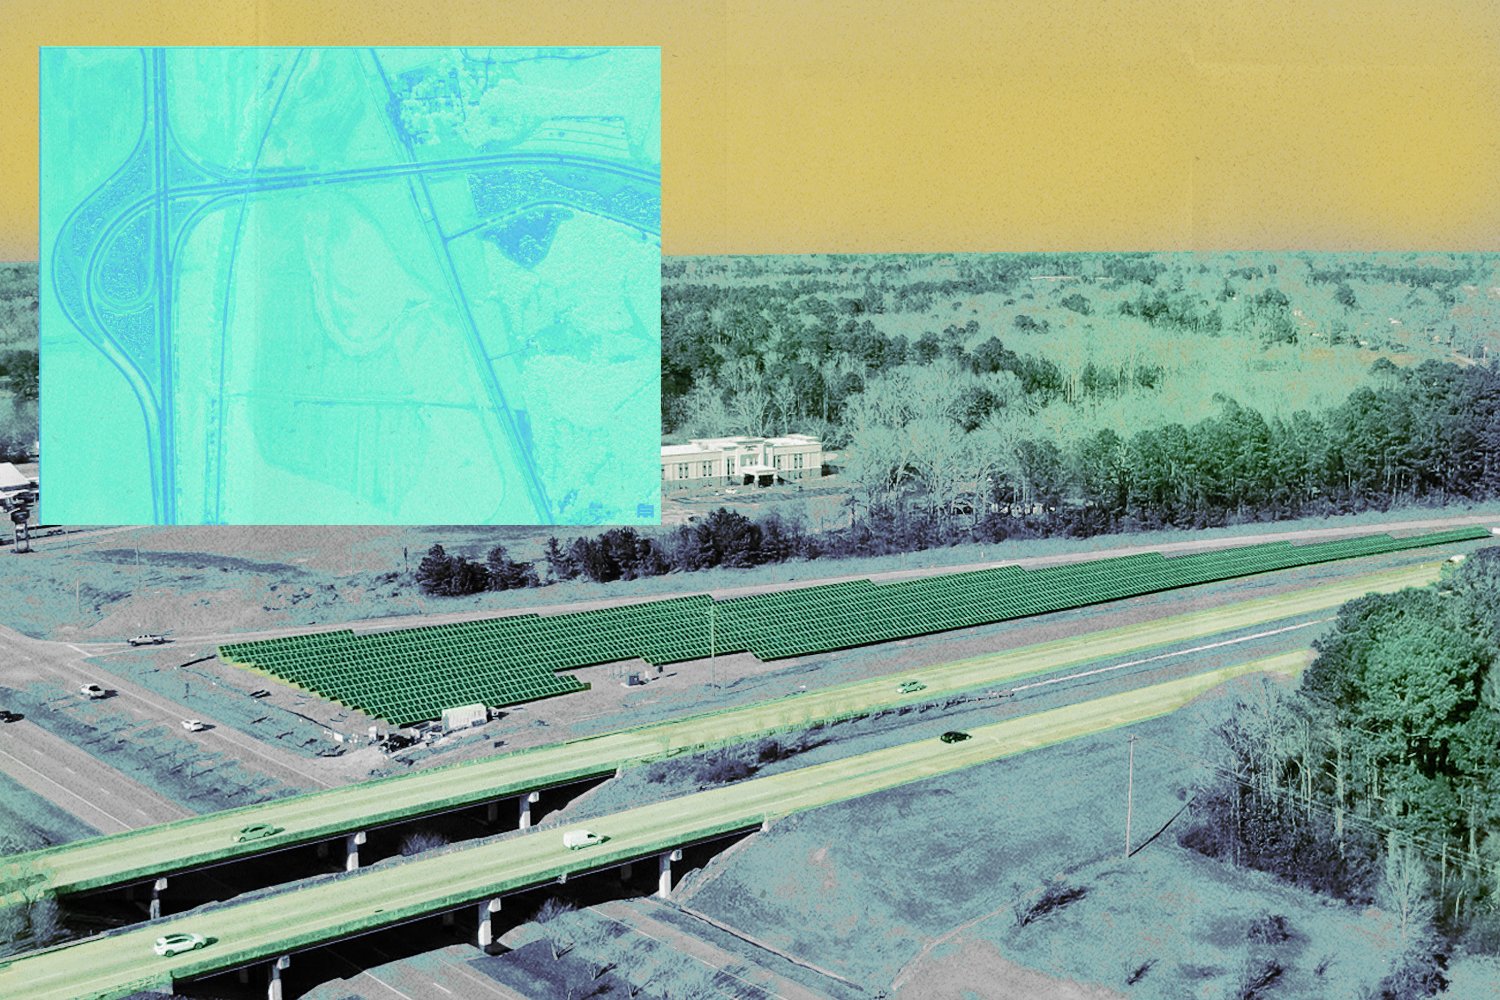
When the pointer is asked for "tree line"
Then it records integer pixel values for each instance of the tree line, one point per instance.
(722, 538)
(1375, 780)
(1426, 434)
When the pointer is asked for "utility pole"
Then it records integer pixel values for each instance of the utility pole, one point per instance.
(1129, 794)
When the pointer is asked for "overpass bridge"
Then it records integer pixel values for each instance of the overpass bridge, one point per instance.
(151, 855)
(475, 879)
(346, 814)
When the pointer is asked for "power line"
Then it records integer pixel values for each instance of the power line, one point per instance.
(1439, 851)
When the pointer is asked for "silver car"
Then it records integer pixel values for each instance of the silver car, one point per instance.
(175, 944)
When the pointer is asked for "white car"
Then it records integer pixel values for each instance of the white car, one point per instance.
(193, 725)
(176, 944)
(148, 639)
(93, 691)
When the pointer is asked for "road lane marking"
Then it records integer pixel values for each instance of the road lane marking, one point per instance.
(67, 791)
(1167, 656)
(979, 673)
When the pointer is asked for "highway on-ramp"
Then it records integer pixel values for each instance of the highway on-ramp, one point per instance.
(210, 839)
(281, 923)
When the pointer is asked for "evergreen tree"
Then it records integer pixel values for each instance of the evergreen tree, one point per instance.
(435, 572)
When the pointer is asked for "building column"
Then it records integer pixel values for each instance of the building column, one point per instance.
(351, 850)
(157, 888)
(485, 931)
(526, 802)
(273, 985)
(664, 873)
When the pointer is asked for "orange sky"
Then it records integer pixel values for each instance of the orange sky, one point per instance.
(835, 125)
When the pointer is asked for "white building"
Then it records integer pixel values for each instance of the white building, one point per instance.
(741, 460)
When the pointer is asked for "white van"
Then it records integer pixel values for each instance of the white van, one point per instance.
(575, 840)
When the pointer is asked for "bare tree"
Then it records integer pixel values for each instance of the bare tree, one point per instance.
(749, 397)
(1406, 891)
(941, 458)
(784, 401)
(703, 411)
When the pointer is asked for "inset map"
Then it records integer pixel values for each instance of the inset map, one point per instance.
(350, 286)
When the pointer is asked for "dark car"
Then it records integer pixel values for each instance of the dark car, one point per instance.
(8, 716)
(954, 736)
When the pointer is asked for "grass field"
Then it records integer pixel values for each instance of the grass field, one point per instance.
(892, 888)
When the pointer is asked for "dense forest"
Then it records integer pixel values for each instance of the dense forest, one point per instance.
(1427, 434)
(1117, 382)
(18, 361)
(1376, 780)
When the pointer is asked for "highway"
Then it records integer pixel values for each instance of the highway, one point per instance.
(116, 964)
(64, 664)
(100, 795)
(202, 840)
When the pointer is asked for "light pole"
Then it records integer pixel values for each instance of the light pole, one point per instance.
(1129, 794)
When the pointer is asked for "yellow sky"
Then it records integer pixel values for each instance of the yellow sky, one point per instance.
(835, 125)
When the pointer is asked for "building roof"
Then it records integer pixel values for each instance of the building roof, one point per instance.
(683, 449)
(700, 446)
(11, 477)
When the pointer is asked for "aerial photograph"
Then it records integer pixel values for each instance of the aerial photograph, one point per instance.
(280, 284)
(1097, 625)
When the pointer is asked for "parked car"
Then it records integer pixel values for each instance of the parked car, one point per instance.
(175, 944)
(6, 715)
(257, 831)
(575, 840)
(194, 725)
(954, 736)
(148, 639)
(912, 687)
(93, 691)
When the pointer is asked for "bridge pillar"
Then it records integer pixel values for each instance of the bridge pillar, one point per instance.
(491, 812)
(157, 888)
(485, 931)
(273, 983)
(526, 802)
(664, 873)
(351, 850)
(625, 871)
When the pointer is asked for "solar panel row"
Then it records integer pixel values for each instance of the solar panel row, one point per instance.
(406, 675)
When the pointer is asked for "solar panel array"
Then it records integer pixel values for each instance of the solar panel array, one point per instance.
(407, 675)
